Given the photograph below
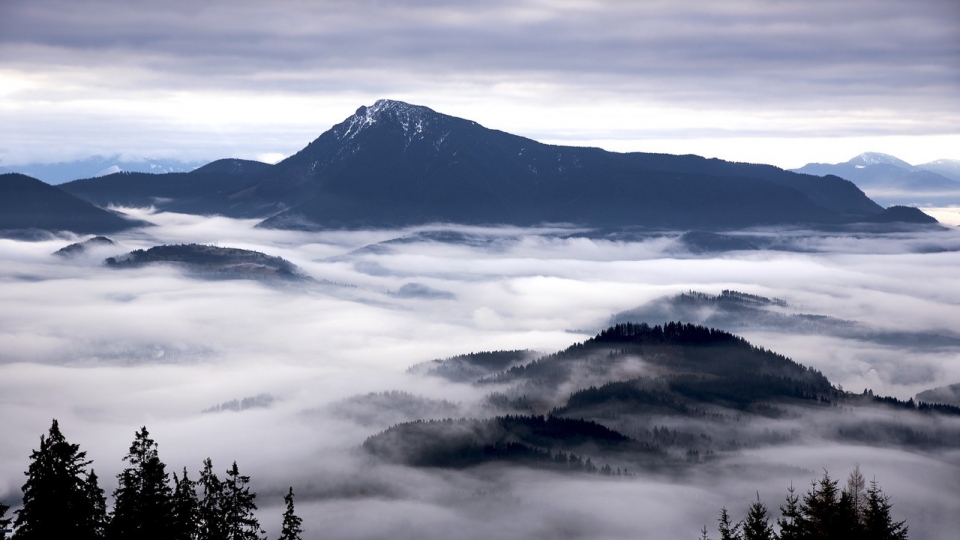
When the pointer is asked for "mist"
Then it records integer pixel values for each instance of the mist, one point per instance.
(107, 350)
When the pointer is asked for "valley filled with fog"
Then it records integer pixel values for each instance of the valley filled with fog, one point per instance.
(106, 349)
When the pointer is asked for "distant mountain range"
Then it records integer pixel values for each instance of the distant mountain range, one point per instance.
(890, 180)
(394, 164)
(58, 173)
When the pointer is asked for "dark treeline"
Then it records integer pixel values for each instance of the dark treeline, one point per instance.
(825, 512)
(62, 498)
(525, 440)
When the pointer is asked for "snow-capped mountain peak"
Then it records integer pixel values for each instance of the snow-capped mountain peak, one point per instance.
(413, 118)
(876, 158)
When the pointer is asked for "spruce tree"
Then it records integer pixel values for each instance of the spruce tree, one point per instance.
(791, 521)
(97, 520)
(291, 529)
(877, 522)
(703, 533)
(756, 526)
(55, 501)
(848, 523)
(727, 531)
(821, 509)
(211, 516)
(143, 500)
(186, 509)
(239, 507)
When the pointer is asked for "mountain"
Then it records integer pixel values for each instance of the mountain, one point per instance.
(400, 164)
(27, 203)
(396, 164)
(171, 191)
(58, 173)
(891, 180)
(949, 168)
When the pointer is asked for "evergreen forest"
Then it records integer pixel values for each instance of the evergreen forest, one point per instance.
(62, 498)
(825, 512)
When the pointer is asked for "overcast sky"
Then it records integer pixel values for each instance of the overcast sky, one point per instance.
(783, 82)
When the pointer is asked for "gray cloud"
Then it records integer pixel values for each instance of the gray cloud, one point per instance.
(820, 68)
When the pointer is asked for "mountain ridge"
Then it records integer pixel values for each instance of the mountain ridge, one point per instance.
(395, 164)
(893, 181)
(98, 165)
(30, 204)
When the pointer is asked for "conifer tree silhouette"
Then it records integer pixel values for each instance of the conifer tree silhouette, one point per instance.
(143, 501)
(756, 526)
(291, 529)
(877, 522)
(212, 520)
(727, 530)
(55, 496)
(239, 506)
(186, 508)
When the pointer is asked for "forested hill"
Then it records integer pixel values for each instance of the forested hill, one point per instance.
(212, 262)
(678, 351)
(396, 164)
(643, 396)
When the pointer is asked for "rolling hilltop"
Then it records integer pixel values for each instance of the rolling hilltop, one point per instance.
(638, 396)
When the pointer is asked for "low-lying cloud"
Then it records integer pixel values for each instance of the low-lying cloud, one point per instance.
(106, 351)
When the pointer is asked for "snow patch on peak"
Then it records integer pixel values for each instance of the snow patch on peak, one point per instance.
(109, 170)
(877, 158)
(413, 118)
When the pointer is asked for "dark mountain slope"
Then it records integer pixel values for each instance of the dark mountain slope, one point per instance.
(197, 191)
(28, 203)
(902, 214)
(400, 164)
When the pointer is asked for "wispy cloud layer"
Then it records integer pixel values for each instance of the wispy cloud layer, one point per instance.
(106, 351)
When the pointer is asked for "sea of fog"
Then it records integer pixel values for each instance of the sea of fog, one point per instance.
(106, 351)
